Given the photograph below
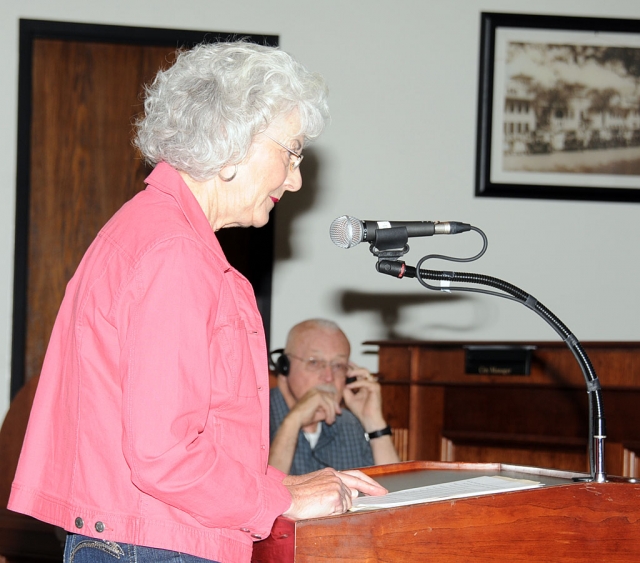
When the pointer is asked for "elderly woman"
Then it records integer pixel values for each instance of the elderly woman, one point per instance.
(149, 434)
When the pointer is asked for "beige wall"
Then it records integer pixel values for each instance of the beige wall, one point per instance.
(403, 78)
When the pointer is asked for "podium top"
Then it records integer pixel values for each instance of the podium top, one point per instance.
(410, 475)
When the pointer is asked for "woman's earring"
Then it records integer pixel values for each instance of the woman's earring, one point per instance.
(229, 178)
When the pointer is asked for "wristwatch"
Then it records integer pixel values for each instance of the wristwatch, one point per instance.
(384, 432)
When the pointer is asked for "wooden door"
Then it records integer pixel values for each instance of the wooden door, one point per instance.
(81, 87)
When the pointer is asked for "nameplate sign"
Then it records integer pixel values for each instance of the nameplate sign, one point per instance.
(498, 360)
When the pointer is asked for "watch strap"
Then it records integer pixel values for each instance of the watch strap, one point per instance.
(384, 432)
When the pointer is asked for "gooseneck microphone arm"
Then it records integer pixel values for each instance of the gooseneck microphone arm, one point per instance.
(389, 242)
(597, 431)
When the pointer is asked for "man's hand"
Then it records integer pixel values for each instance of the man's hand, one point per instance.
(363, 397)
(327, 492)
(316, 405)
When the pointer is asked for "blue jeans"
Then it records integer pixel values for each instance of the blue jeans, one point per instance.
(83, 549)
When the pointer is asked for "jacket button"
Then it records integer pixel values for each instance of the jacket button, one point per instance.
(79, 522)
(99, 527)
(245, 530)
(256, 536)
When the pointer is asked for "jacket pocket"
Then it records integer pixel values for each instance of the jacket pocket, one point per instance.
(232, 369)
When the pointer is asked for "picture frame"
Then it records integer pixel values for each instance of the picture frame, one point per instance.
(558, 108)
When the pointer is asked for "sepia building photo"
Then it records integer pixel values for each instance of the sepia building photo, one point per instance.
(572, 108)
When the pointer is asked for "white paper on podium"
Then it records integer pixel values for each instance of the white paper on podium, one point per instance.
(456, 489)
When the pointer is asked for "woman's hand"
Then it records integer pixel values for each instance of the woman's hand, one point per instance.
(327, 492)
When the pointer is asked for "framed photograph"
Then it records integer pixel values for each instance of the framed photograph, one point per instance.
(559, 108)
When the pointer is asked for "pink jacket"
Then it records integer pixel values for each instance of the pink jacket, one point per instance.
(150, 422)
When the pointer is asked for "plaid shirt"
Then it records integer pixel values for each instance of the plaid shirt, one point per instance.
(342, 445)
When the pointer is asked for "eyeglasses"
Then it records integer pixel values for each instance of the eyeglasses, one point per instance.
(295, 157)
(313, 364)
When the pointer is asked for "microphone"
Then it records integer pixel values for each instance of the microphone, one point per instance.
(347, 231)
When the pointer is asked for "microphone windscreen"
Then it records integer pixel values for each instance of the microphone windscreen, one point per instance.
(346, 231)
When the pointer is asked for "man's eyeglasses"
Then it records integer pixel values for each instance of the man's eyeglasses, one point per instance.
(313, 364)
(295, 157)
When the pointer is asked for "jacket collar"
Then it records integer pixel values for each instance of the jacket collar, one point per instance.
(166, 178)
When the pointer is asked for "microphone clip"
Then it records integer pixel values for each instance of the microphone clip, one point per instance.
(389, 248)
(393, 239)
(390, 254)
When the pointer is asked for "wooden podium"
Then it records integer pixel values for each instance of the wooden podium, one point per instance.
(561, 521)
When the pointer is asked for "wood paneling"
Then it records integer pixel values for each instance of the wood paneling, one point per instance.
(22, 539)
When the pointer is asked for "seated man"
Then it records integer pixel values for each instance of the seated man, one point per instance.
(310, 429)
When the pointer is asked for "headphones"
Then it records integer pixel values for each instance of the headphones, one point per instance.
(281, 365)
